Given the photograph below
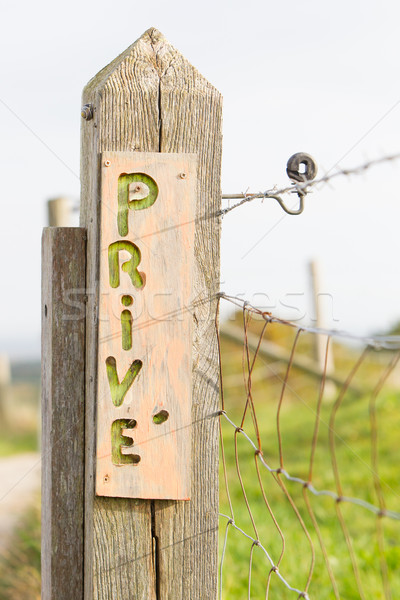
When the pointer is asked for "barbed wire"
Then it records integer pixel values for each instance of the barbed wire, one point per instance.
(275, 193)
(302, 188)
(379, 342)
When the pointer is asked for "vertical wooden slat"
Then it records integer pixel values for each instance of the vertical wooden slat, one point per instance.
(63, 390)
(118, 533)
(187, 533)
(151, 99)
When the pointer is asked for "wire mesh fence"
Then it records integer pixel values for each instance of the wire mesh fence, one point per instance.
(309, 498)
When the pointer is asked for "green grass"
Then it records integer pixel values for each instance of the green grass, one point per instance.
(20, 571)
(353, 450)
(16, 442)
(20, 419)
(20, 567)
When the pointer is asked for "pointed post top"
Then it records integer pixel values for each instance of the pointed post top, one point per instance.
(151, 57)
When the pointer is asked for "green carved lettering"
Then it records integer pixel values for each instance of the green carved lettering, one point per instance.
(119, 442)
(119, 390)
(130, 266)
(127, 300)
(124, 204)
(126, 322)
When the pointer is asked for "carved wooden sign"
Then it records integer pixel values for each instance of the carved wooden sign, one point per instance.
(145, 325)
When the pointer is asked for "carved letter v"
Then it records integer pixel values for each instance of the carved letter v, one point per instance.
(119, 390)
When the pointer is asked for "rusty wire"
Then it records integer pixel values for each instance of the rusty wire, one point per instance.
(280, 476)
(378, 342)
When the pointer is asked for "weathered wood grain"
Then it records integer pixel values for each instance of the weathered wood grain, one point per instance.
(63, 389)
(158, 343)
(187, 533)
(151, 99)
(118, 533)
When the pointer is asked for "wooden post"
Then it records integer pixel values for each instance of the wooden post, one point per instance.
(63, 411)
(321, 322)
(5, 380)
(150, 99)
(59, 212)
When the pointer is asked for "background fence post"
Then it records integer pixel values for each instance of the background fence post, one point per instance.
(5, 380)
(150, 99)
(59, 211)
(63, 411)
(322, 322)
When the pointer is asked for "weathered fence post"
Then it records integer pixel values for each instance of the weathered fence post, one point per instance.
(150, 99)
(63, 411)
(320, 340)
(5, 380)
(59, 212)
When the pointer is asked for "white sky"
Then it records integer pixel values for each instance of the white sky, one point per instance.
(296, 76)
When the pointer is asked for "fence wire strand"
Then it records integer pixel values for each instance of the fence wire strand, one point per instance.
(271, 470)
(304, 187)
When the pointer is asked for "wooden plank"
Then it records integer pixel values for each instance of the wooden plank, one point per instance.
(151, 99)
(63, 389)
(145, 325)
(118, 533)
(187, 533)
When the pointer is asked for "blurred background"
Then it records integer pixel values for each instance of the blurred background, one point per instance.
(314, 77)
(294, 76)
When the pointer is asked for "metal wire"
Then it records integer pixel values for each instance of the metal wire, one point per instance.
(275, 568)
(376, 510)
(301, 188)
(380, 342)
(280, 476)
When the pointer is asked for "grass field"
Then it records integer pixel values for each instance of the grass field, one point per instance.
(19, 432)
(352, 428)
(19, 424)
(20, 572)
(20, 567)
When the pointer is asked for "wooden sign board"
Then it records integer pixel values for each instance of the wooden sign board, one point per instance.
(145, 325)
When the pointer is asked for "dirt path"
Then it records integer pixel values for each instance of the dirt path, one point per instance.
(19, 480)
